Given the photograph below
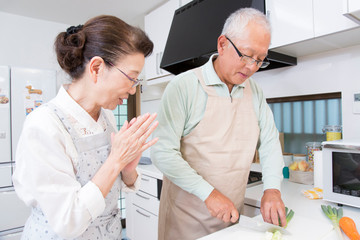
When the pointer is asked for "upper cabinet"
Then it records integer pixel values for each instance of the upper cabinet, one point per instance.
(351, 9)
(157, 26)
(291, 21)
(300, 20)
(329, 18)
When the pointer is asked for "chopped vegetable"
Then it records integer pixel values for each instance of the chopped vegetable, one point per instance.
(334, 215)
(289, 216)
(277, 235)
(349, 228)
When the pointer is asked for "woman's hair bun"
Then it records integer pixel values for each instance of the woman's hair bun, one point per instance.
(104, 36)
(69, 47)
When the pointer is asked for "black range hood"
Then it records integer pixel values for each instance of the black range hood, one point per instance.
(195, 29)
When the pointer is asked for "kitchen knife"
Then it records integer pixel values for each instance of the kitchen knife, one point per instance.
(261, 226)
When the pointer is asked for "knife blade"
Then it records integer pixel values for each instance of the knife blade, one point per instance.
(257, 225)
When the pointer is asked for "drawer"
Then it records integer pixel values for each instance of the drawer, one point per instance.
(14, 209)
(12, 236)
(5, 175)
(147, 202)
(149, 185)
(147, 224)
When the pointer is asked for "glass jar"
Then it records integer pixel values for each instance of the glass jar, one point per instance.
(298, 157)
(311, 148)
(333, 132)
(288, 158)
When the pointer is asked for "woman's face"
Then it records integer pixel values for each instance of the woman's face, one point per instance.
(114, 86)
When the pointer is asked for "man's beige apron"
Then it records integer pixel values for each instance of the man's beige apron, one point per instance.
(220, 149)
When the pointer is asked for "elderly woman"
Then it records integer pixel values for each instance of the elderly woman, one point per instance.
(71, 162)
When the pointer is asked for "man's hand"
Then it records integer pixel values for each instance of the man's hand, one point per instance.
(221, 207)
(272, 207)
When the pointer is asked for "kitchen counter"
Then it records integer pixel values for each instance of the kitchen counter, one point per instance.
(304, 208)
(151, 171)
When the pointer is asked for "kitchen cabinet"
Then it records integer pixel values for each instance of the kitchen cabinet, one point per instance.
(329, 18)
(351, 9)
(291, 21)
(300, 20)
(157, 27)
(142, 207)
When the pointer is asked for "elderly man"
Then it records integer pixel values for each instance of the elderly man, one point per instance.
(211, 121)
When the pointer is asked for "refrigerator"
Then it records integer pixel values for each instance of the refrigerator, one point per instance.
(22, 90)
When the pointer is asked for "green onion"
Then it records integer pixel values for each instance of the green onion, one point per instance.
(289, 216)
(334, 214)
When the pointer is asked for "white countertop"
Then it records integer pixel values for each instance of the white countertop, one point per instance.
(150, 170)
(309, 211)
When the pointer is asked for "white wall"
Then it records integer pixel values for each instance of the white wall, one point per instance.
(28, 42)
(332, 71)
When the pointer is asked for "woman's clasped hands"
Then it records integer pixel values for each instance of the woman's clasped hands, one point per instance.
(129, 143)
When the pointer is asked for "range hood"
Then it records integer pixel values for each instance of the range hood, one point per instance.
(195, 29)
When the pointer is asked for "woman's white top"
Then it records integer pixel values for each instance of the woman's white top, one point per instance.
(44, 175)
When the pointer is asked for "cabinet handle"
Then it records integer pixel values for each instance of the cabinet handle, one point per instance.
(142, 196)
(268, 14)
(148, 216)
(160, 57)
(145, 179)
(157, 64)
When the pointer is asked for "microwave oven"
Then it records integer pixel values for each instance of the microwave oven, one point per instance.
(341, 172)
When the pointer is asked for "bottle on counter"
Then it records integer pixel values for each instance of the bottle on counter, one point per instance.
(333, 132)
(311, 148)
(288, 159)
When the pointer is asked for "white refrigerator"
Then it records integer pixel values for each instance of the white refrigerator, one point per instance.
(21, 91)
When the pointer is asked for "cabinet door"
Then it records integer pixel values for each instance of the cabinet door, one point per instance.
(148, 223)
(291, 21)
(329, 18)
(354, 5)
(157, 26)
(130, 224)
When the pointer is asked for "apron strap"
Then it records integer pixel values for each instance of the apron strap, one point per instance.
(74, 135)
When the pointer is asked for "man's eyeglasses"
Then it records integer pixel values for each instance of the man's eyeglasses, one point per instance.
(249, 60)
(135, 81)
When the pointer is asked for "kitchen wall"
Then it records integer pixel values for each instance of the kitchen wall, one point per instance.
(331, 71)
(28, 42)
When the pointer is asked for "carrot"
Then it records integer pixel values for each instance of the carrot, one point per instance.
(349, 228)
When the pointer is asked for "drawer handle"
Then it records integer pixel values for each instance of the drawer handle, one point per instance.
(142, 196)
(148, 216)
(145, 179)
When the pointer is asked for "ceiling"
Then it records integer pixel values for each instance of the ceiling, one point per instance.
(74, 12)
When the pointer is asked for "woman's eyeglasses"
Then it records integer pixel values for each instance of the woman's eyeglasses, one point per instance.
(249, 60)
(135, 81)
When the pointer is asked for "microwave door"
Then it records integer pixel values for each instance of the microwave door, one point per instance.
(346, 173)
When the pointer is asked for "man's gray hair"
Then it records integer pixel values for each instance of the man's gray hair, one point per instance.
(235, 24)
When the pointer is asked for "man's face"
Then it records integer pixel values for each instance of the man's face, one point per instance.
(232, 69)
